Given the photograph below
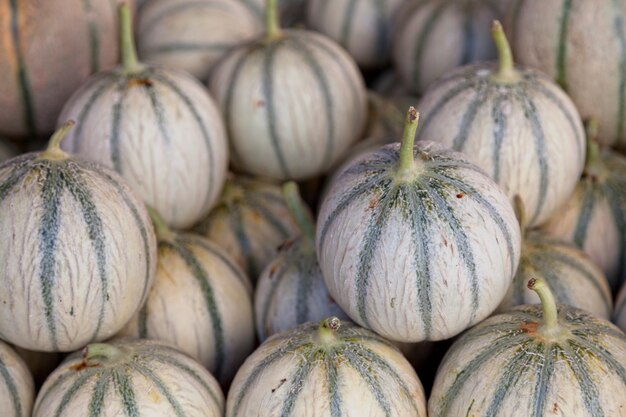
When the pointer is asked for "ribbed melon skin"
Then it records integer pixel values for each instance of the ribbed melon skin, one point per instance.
(573, 278)
(201, 303)
(620, 309)
(250, 222)
(17, 389)
(47, 50)
(294, 374)
(192, 35)
(161, 131)
(504, 367)
(78, 250)
(422, 259)
(150, 379)
(553, 35)
(594, 217)
(527, 135)
(364, 28)
(433, 37)
(291, 291)
(292, 106)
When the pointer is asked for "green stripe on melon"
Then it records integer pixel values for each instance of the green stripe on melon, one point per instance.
(594, 217)
(22, 76)
(70, 193)
(17, 390)
(573, 278)
(552, 35)
(157, 127)
(137, 377)
(514, 123)
(200, 302)
(523, 362)
(192, 35)
(325, 366)
(384, 203)
(249, 222)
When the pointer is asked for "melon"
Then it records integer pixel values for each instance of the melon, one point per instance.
(47, 50)
(594, 216)
(514, 123)
(330, 368)
(158, 128)
(582, 45)
(291, 289)
(572, 277)
(364, 28)
(193, 35)
(293, 102)
(200, 302)
(250, 221)
(130, 378)
(78, 251)
(434, 36)
(536, 360)
(17, 390)
(415, 242)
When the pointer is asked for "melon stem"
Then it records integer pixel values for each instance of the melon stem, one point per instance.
(162, 231)
(128, 51)
(593, 149)
(298, 210)
(272, 21)
(548, 303)
(406, 167)
(327, 330)
(54, 151)
(506, 73)
(98, 353)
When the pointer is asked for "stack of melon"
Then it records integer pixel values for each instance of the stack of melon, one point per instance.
(160, 259)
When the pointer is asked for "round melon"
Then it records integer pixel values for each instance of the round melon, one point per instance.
(193, 35)
(17, 389)
(572, 277)
(48, 49)
(158, 128)
(582, 45)
(594, 216)
(130, 378)
(293, 102)
(200, 302)
(77, 248)
(415, 242)
(291, 289)
(434, 36)
(251, 220)
(561, 361)
(620, 309)
(514, 123)
(364, 28)
(328, 368)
